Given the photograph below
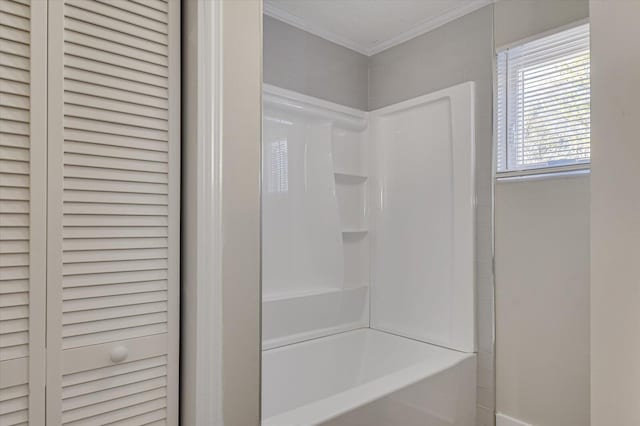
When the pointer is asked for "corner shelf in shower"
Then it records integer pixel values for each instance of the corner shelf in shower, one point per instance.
(331, 311)
(348, 231)
(349, 177)
(312, 292)
(304, 292)
(350, 172)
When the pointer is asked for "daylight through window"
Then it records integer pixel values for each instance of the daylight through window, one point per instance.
(544, 95)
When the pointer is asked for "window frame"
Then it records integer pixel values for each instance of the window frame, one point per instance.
(532, 172)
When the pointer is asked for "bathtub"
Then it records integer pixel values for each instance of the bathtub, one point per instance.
(367, 377)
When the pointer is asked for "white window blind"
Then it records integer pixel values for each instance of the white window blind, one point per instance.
(543, 111)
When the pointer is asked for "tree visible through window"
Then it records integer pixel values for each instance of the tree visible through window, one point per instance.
(544, 102)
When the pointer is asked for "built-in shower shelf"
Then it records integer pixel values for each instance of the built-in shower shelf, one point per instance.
(326, 311)
(303, 292)
(350, 177)
(354, 231)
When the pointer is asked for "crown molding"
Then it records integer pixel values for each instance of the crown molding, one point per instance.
(282, 15)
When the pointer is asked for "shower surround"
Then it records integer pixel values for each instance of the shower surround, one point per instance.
(368, 246)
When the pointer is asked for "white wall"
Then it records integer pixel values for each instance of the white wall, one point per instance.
(542, 300)
(615, 214)
(542, 312)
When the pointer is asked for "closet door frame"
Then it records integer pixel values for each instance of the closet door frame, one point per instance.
(221, 341)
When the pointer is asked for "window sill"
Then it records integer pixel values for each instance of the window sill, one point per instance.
(549, 173)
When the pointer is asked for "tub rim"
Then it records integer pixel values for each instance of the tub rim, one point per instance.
(329, 408)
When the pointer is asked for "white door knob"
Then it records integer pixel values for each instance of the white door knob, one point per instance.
(119, 354)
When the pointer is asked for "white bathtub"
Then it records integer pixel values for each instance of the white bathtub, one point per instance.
(367, 378)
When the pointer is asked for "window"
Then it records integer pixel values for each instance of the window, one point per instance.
(543, 114)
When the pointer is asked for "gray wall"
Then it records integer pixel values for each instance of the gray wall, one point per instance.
(300, 61)
(459, 51)
(542, 310)
(615, 214)
(542, 300)
(516, 20)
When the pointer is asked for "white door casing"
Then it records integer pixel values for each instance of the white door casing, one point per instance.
(220, 344)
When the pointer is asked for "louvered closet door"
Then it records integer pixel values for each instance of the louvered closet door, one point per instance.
(22, 211)
(113, 236)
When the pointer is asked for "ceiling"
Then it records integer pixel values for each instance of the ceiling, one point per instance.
(369, 26)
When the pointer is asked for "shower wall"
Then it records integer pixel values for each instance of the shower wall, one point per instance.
(423, 212)
(302, 245)
(459, 51)
(315, 262)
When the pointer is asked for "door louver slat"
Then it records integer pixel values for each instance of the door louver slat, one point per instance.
(85, 11)
(115, 393)
(14, 196)
(22, 211)
(116, 147)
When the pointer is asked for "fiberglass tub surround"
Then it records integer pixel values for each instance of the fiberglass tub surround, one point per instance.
(368, 261)
(314, 264)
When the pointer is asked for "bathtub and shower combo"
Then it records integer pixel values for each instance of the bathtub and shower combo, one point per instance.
(368, 261)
